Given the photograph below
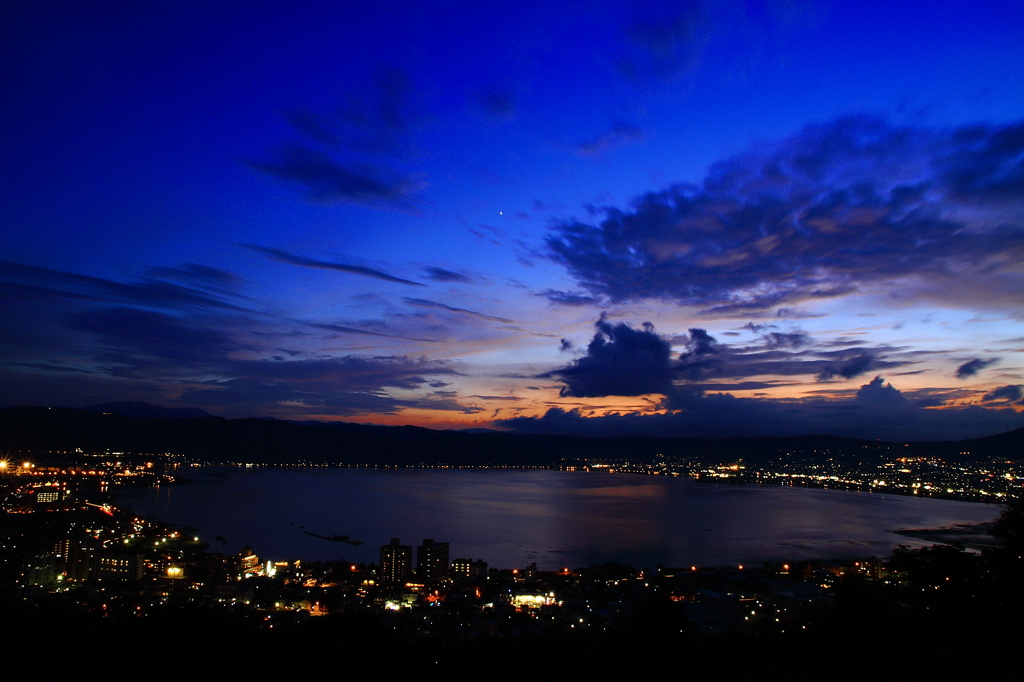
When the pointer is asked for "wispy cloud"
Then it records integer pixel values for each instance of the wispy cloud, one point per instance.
(424, 303)
(617, 136)
(330, 180)
(353, 157)
(302, 261)
(198, 275)
(132, 332)
(340, 329)
(345, 386)
(569, 298)
(38, 283)
(442, 275)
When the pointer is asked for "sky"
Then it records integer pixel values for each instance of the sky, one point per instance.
(667, 218)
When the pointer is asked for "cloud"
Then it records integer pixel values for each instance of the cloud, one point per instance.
(497, 103)
(741, 386)
(877, 410)
(878, 395)
(741, 362)
(126, 332)
(43, 284)
(1010, 393)
(625, 361)
(424, 303)
(774, 339)
(787, 339)
(129, 332)
(666, 41)
(48, 367)
(619, 135)
(442, 275)
(972, 367)
(350, 372)
(315, 127)
(567, 298)
(854, 368)
(340, 329)
(180, 337)
(701, 343)
(350, 157)
(620, 360)
(328, 180)
(988, 163)
(697, 357)
(344, 386)
(547, 206)
(293, 259)
(198, 275)
(841, 343)
(852, 205)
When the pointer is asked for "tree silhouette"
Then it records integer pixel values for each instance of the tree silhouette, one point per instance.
(1009, 528)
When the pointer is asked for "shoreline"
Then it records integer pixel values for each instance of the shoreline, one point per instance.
(973, 536)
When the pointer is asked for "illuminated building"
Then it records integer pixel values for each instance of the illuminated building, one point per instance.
(432, 560)
(248, 562)
(532, 600)
(42, 570)
(470, 568)
(112, 566)
(395, 561)
(87, 563)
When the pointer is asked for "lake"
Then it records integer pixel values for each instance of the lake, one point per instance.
(510, 518)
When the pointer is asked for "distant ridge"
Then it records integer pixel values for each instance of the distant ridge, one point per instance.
(212, 438)
(127, 408)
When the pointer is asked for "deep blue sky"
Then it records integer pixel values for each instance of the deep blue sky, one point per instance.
(451, 215)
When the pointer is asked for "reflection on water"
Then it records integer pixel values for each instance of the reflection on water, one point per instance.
(512, 518)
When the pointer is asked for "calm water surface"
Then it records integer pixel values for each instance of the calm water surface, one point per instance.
(511, 518)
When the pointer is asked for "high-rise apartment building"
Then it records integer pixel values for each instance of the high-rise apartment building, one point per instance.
(395, 561)
(432, 560)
